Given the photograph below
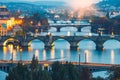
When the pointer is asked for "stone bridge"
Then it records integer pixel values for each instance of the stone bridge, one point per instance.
(6, 65)
(58, 27)
(48, 40)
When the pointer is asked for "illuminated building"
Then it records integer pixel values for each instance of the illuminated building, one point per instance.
(6, 19)
(3, 30)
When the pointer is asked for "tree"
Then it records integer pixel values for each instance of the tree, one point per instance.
(114, 73)
(44, 21)
(58, 71)
(64, 71)
(72, 72)
(20, 72)
(101, 22)
(85, 74)
(34, 68)
(20, 33)
(23, 72)
(34, 64)
(35, 18)
(44, 75)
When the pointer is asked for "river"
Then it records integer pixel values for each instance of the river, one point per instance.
(61, 51)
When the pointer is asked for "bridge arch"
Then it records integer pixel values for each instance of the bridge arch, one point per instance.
(69, 28)
(12, 41)
(87, 44)
(86, 29)
(61, 43)
(111, 44)
(36, 43)
(52, 29)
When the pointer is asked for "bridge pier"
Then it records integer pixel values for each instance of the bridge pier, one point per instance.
(1, 47)
(99, 47)
(79, 29)
(99, 43)
(73, 47)
(58, 29)
(25, 48)
(48, 47)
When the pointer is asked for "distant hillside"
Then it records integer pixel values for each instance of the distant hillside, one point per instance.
(50, 3)
(115, 3)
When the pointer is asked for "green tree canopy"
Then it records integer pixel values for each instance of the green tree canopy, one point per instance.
(114, 73)
(20, 72)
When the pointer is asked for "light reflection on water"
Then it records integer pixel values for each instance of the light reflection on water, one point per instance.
(62, 51)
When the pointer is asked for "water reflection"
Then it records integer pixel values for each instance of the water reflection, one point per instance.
(52, 54)
(37, 54)
(61, 51)
(112, 56)
(88, 55)
(14, 53)
(44, 54)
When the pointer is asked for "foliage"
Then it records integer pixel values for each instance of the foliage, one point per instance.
(44, 75)
(109, 25)
(20, 72)
(34, 20)
(69, 72)
(59, 71)
(34, 64)
(114, 73)
(23, 72)
(20, 33)
(86, 74)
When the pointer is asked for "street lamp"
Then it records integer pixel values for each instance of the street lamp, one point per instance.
(13, 53)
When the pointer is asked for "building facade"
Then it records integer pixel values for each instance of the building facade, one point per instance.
(6, 21)
(3, 31)
(4, 18)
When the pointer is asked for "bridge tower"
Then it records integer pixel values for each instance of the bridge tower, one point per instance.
(48, 42)
(99, 42)
(24, 42)
(73, 44)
